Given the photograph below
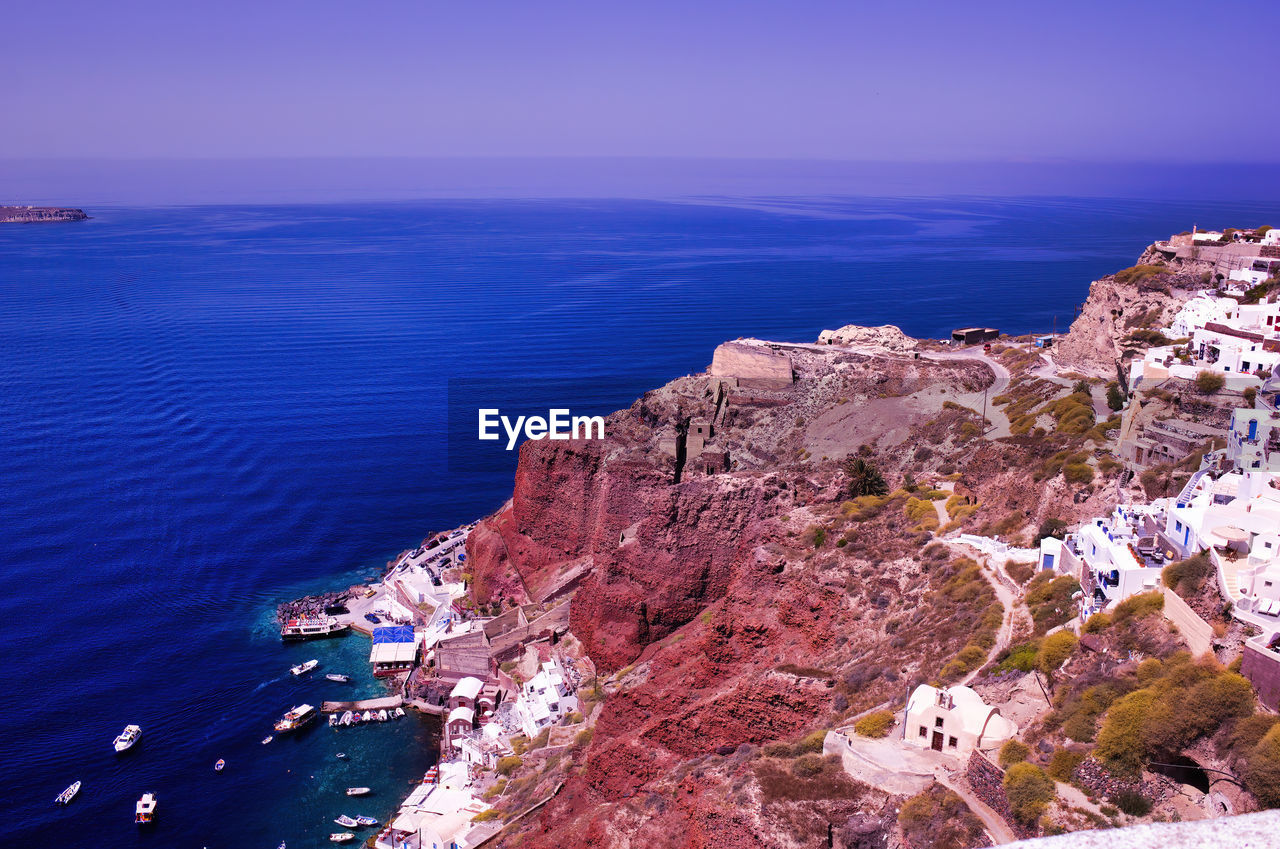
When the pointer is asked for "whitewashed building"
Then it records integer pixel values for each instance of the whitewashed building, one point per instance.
(544, 699)
(954, 720)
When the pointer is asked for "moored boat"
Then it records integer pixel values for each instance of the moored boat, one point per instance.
(398, 712)
(346, 822)
(342, 837)
(382, 715)
(145, 811)
(217, 767)
(367, 716)
(358, 791)
(346, 718)
(337, 676)
(366, 821)
(432, 776)
(67, 795)
(304, 668)
(296, 718)
(127, 738)
(312, 629)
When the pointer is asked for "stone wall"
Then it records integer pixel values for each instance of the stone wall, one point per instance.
(1197, 632)
(1262, 668)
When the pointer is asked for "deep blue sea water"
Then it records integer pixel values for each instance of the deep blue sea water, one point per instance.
(209, 410)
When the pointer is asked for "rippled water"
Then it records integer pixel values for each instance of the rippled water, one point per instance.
(208, 410)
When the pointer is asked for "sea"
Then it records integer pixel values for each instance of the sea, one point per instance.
(207, 410)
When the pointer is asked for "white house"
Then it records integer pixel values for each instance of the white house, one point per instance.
(955, 720)
(465, 693)
(544, 699)
(1110, 567)
(1271, 237)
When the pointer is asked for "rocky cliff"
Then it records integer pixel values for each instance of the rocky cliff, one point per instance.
(32, 214)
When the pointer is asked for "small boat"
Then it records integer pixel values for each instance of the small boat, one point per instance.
(346, 718)
(342, 837)
(382, 715)
(67, 795)
(335, 676)
(368, 716)
(145, 811)
(304, 668)
(358, 791)
(399, 712)
(281, 846)
(267, 739)
(296, 718)
(217, 767)
(346, 822)
(355, 718)
(366, 821)
(128, 737)
(342, 756)
(432, 776)
(333, 720)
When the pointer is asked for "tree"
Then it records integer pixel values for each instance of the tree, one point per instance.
(1054, 651)
(1051, 527)
(1082, 387)
(1121, 744)
(1028, 790)
(1115, 397)
(864, 478)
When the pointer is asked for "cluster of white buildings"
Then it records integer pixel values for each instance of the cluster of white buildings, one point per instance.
(438, 814)
(545, 699)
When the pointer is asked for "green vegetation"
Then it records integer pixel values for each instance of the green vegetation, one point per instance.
(584, 737)
(509, 764)
(1139, 273)
(1186, 576)
(1115, 397)
(1132, 803)
(863, 478)
(968, 584)
(1029, 791)
(485, 816)
(779, 782)
(939, 819)
(1013, 752)
(875, 724)
(1062, 765)
(819, 537)
(1051, 527)
(922, 513)
(1209, 382)
(1021, 657)
(1054, 651)
(1049, 600)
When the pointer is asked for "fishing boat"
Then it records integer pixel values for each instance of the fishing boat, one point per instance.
(295, 719)
(382, 715)
(346, 822)
(355, 718)
(339, 677)
(432, 776)
(144, 812)
(358, 791)
(398, 712)
(127, 738)
(367, 821)
(304, 668)
(342, 837)
(67, 795)
(217, 767)
(267, 739)
(314, 628)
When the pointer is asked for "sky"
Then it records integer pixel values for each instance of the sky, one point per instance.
(1158, 82)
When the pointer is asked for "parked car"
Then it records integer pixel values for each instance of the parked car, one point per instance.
(372, 618)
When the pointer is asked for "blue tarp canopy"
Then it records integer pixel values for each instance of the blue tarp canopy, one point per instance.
(393, 634)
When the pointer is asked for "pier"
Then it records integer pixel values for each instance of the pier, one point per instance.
(361, 705)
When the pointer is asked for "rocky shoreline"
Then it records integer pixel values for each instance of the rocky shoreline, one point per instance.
(39, 214)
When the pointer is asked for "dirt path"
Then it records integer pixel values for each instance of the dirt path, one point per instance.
(997, 829)
(999, 421)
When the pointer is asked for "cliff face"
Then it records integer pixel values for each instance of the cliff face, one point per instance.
(32, 214)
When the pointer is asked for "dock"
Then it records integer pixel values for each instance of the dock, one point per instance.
(384, 703)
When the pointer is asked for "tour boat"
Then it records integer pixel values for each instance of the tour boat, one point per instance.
(342, 837)
(312, 629)
(67, 795)
(346, 822)
(128, 737)
(366, 821)
(358, 791)
(399, 712)
(382, 715)
(340, 678)
(296, 718)
(217, 767)
(267, 739)
(304, 668)
(145, 811)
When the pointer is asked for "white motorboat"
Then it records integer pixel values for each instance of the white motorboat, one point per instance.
(267, 739)
(367, 716)
(145, 811)
(304, 668)
(342, 837)
(335, 676)
(220, 765)
(346, 718)
(382, 715)
(128, 737)
(399, 712)
(366, 821)
(67, 795)
(296, 718)
(358, 791)
(346, 822)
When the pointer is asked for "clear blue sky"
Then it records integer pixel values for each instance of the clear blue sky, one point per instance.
(933, 81)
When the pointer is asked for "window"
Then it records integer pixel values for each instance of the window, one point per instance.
(1178, 525)
(937, 723)
(952, 742)
(924, 732)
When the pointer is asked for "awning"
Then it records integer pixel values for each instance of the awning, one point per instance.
(1230, 533)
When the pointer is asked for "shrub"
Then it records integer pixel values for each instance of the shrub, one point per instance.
(1132, 803)
(509, 764)
(875, 724)
(811, 742)
(1115, 397)
(1021, 657)
(1096, 623)
(1186, 576)
(1081, 473)
(1054, 651)
(807, 766)
(819, 537)
(1138, 273)
(1120, 742)
(863, 478)
(1052, 526)
(1138, 606)
(1262, 769)
(584, 737)
(1062, 766)
(935, 819)
(1209, 382)
(1028, 790)
(921, 512)
(485, 816)
(1049, 600)
(1012, 752)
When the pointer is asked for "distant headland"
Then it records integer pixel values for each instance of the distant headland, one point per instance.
(27, 214)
